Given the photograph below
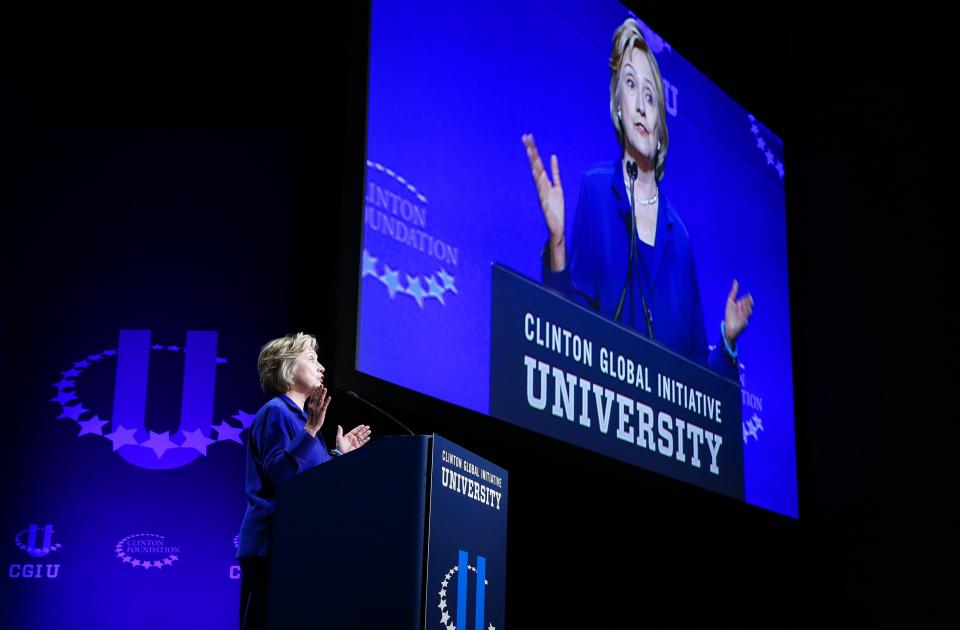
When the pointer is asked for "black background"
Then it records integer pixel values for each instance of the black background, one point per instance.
(610, 546)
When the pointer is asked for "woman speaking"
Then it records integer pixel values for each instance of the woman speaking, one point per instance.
(284, 440)
(629, 255)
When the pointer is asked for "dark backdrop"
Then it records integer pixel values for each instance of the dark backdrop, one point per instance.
(871, 275)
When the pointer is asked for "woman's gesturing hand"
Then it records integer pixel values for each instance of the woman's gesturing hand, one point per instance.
(317, 403)
(359, 436)
(737, 313)
(551, 200)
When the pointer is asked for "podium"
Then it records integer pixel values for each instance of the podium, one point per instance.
(405, 532)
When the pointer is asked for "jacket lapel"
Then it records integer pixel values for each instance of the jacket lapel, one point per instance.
(664, 238)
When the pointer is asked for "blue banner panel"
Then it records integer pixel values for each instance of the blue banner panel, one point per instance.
(565, 371)
(467, 545)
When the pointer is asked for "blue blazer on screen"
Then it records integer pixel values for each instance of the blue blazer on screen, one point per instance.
(598, 255)
(278, 446)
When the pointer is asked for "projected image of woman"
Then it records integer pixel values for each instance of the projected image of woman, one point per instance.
(658, 294)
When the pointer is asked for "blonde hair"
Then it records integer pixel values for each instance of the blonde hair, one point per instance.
(277, 361)
(627, 37)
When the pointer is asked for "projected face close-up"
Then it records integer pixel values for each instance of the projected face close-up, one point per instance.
(639, 114)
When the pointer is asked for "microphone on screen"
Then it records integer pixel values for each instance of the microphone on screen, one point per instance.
(633, 171)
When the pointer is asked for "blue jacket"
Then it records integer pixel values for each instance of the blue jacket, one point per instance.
(598, 254)
(278, 447)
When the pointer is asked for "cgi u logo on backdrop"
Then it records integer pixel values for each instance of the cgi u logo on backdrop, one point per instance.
(127, 431)
(37, 542)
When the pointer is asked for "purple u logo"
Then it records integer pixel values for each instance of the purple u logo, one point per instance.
(160, 452)
(31, 544)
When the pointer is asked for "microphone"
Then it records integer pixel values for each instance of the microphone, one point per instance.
(633, 172)
(353, 394)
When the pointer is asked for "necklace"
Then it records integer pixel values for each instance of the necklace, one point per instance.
(651, 200)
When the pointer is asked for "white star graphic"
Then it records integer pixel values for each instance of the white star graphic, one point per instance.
(391, 278)
(435, 290)
(369, 265)
(415, 289)
(447, 280)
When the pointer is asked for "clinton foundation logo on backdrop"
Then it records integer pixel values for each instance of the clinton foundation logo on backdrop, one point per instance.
(146, 551)
(141, 424)
(412, 261)
(752, 407)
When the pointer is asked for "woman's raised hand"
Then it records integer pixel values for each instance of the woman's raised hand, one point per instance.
(737, 313)
(316, 404)
(551, 194)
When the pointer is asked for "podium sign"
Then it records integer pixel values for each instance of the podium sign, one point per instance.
(467, 545)
(566, 371)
